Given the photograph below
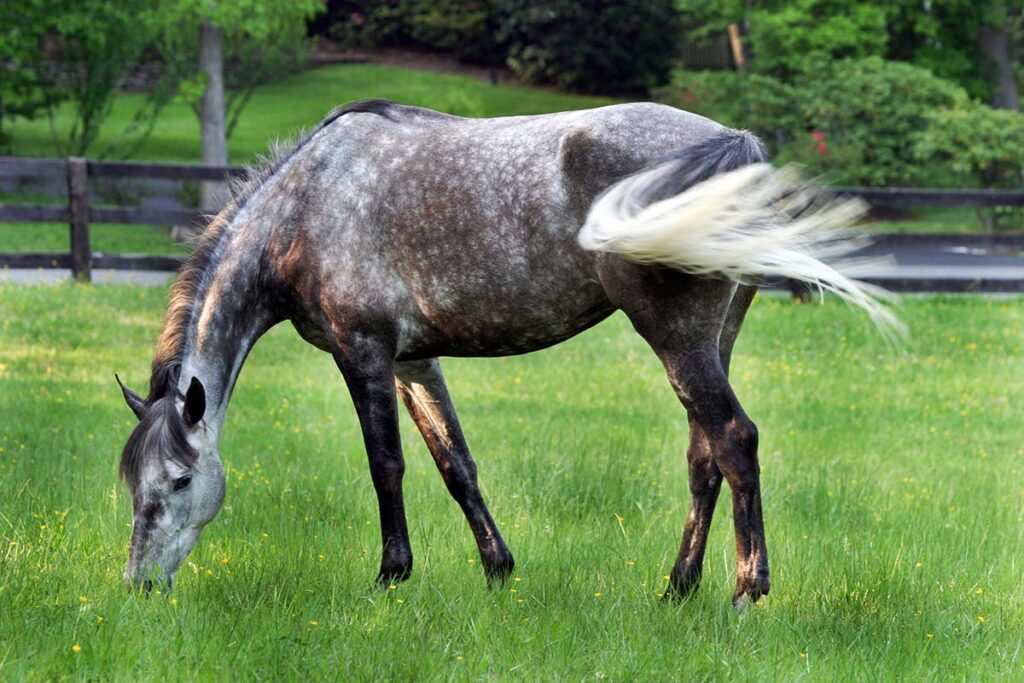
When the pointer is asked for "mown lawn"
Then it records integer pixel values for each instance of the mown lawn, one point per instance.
(893, 489)
(276, 111)
(279, 109)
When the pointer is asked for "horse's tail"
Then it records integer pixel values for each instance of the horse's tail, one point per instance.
(719, 208)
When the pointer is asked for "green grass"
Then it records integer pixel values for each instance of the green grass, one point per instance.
(110, 239)
(930, 220)
(892, 481)
(278, 109)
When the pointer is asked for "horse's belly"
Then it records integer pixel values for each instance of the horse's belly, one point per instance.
(503, 326)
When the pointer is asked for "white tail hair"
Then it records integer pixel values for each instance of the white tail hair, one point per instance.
(746, 223)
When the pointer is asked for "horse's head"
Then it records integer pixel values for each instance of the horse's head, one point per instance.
(172, 469)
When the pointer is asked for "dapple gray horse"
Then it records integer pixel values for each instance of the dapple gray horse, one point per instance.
(392, 235)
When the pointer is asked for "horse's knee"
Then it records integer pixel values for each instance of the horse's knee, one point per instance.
(704, 473)
(387, 472)
(736, 452)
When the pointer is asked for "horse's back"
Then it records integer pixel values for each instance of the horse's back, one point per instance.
(464, 230)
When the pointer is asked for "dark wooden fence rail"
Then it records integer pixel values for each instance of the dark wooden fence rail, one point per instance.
(78, 213)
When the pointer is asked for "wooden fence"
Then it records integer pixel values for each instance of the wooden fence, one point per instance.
(79, 213)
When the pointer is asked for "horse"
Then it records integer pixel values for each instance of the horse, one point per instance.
(391, 235)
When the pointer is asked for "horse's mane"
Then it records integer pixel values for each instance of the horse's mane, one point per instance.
(195, 273)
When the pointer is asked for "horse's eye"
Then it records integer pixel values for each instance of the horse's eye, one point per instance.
(182, 482)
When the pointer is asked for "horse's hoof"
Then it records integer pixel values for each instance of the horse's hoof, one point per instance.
(749, 590)
(394, 572)
(681, 587)
(498, 570)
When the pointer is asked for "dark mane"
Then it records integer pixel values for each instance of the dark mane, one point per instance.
(195, 273)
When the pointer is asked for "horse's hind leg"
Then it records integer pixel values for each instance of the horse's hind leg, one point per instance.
(683, 318)
(705, 477)
(368, 368)
(421, 386)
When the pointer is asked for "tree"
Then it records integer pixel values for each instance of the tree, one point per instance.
(100, 42)
(25, 88)
(95, 43)
(975, 43)
(220, 52)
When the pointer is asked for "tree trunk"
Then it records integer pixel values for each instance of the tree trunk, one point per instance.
(213, 195)
(995, 43)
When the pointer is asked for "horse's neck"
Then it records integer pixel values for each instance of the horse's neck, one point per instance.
(228, 316)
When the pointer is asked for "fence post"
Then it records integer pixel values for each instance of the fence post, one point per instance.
(78, 205)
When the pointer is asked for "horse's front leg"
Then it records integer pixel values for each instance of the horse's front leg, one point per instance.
(422, 387)
(368, 368)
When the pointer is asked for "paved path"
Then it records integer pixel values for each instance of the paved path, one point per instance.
(957, 263)
(39, 276)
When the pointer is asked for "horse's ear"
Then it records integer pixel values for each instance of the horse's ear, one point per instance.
(133, 400)
(195, 403)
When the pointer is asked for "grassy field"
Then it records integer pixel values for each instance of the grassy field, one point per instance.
(893, 482)
(275, 112)
(279, 109)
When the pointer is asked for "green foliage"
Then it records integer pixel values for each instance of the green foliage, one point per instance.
(873, 114)
(262, 40)
(765, 105)
(467, 29)
(804, 36)
(610, 46)
(945, 40)
(866, 121)
(788, 38)
(25, 86)
(980, 143)
(96, 43)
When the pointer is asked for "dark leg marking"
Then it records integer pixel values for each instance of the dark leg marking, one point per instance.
(705, 477)
(422, 388)
(368, 369)
(691, 324)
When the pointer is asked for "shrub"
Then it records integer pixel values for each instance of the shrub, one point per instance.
(873, 115)
(466, 28)
(979, 144)
(469, 29)
(800, 36)
(763, 104)
(607, 46)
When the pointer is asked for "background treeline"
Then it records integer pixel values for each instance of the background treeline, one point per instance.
(913, 92)
(894, 92)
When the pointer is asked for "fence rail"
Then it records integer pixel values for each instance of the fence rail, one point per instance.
(78, 214)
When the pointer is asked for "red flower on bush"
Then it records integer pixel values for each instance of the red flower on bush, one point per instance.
(819, 137)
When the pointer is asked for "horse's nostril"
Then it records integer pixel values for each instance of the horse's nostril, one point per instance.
(147, 586)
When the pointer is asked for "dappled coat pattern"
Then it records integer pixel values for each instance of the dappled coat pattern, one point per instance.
(392, 235)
